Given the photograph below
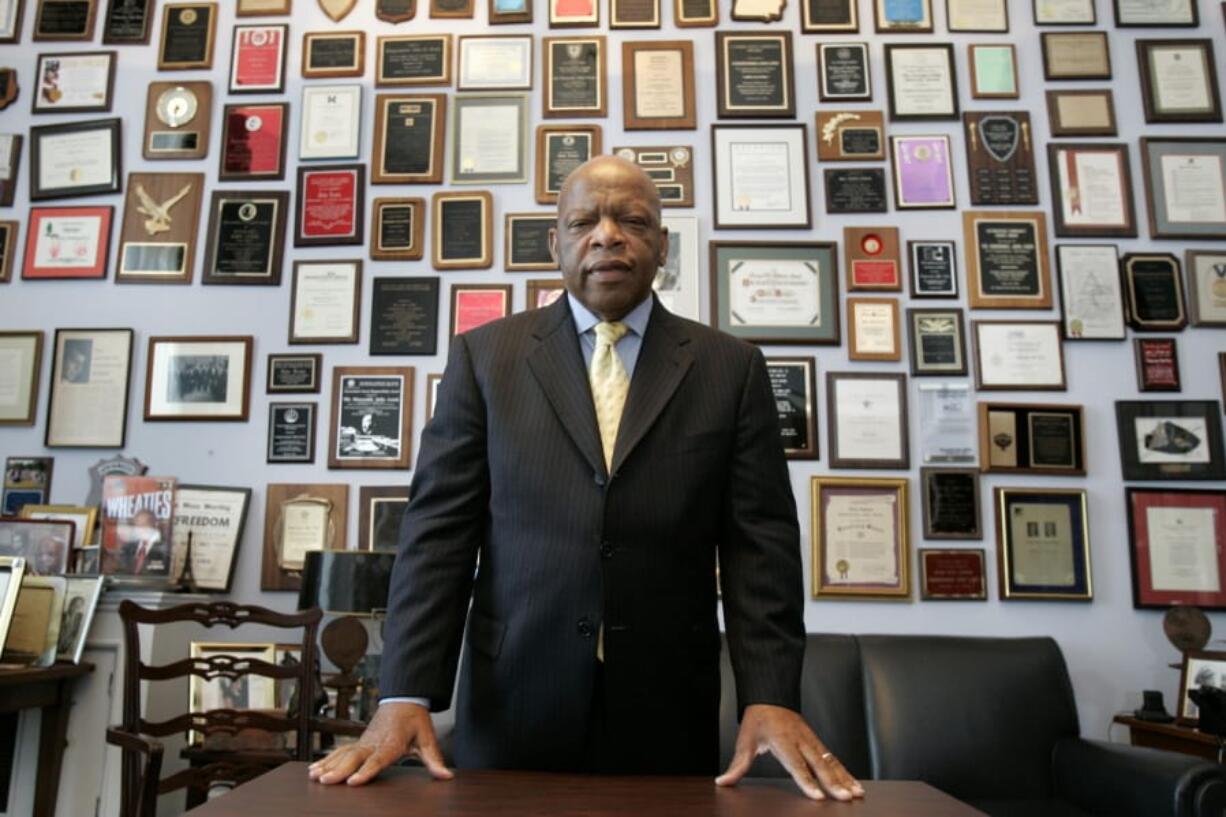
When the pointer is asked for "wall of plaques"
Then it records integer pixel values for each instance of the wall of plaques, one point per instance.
(971, 236)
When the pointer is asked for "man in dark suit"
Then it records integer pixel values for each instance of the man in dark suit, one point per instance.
(599, 455)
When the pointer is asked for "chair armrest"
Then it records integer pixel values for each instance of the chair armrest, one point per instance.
(335, 726)
(147, 782)
(1131, 781)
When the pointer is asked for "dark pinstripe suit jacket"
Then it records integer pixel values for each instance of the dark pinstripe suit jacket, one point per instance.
(511, 481)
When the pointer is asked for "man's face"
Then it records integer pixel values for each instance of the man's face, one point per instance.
(368, 423)
(608, 241)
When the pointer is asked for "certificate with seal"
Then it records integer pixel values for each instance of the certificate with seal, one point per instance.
(331, 116)
(325, 302)
(861, 546)
(866, 416)
(74, 159)
(1179, 81)
(489, 139)
(1091, 300)
(761, 176)
(784, 292)
(1018, 355)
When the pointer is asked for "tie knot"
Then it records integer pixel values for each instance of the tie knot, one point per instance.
(610, 333)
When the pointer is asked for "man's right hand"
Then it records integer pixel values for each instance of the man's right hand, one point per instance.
(395, 730)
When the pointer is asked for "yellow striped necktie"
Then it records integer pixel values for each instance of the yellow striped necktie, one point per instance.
(610, 384)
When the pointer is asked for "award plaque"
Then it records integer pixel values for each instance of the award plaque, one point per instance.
(474, 305)
(462, 231)
(10, 164)
(987, 16)
(634, 14)
(10, 20)
(559, 150)
(1206, 271)
(856, 190)
(73, 159)
(843, 73)
(1070, 55)
(413, 60)
(294, 374)
(934, 269)
(658, 86)
(1170, 439)
(330, 54)
(754, 76)
(921, 81)
(264, 8)
(455, 9)
(177, 120)
(872, 258)
(993, 71)
(1157, 364)
(66, 20)
(330, 122)
(253, 142)
(574, 13)
(1081, 113)
(1179, 81)
(409, 138)
(1007, 266)
(1091, 187)
(330, 206)
(1025, 438)
(1000, 158)
(325, 302)
(951, 503)
(291, 432)
(501, 12)
(860, 538)
(670, 167)
(1153, 292)
(398, 230)
(79, 82)
(952, 575)
(526, 246)
(923, 176)
(1042, 544)
(398, 11)
(695, 13)
(937, 341)
(127, 22)
(574, 76)
(297, 519)
(793, 384)
(257, 59)
(903, 16)
(848, 136)
(8, 249)
(67, 242)
(829, 17)
(1091, 298)
(404, 316)
(872, 329)
(157, 240)
(489, 139)
(1018, 356)
(188, 30)
(246, 237)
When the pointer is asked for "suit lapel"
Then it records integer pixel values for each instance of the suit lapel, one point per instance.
(662, 363)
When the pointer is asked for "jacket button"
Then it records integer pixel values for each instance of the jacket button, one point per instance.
(606, 550)
(600, 480)
(585, 628)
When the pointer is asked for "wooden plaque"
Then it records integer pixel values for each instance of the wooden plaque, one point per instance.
(695, 13)
(1000, 156)
(671, 167)
(188, 31)
(462, 233)
(127, 22)
(658, 90)
(177, 120)
(332, 498)
(634, 14)
(1007, 259)
(65, 20)
(329, 54)
(559, 150)
(157, 242)
(872, 259)
(395, 11)
(850, 136)
(398, 228)
(409, 139)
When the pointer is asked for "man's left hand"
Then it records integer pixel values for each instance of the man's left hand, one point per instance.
(784, 733)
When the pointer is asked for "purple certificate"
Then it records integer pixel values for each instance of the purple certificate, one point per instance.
(922, 176)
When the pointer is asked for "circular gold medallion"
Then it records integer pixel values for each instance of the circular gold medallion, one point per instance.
(177, 106)
(188, 17)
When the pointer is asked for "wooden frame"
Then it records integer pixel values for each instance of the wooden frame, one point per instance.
(1044, 526)
(1145, 276)
(1206, 271)
(549, 59)
(502, 12)
(934, 269)
(10, 32)
(848, 22)
(76, 392)
(411, 106)
(944, 510)
(1064, 13)
(330, 187)
(794, 384)
(371, 445)
(491, 302)
(24, 351)
(568, 146)
(760, 207)
(218, 544)
(401, 238)
(1032, 438)
(815, 321)
(300, 416)
(837, 86)
(301, 373)
(157, 237)
(1095, 107)
(683, 16)
(417, 70)
(780, 100)
(239, 160)
(440, 203)
(247, 212)
(264, 8)
(937, 341)
(195, 381)
(329, 500)
(323, 306)
(873, 509)
(335, 67)
(879, 416)
(884, 24)
(329, 127)
(42, 34)
(1074, 207)
(52, 74)
(1075, 55)
(1089, 276)
(919, 183)
(100, 176)
(452, 9)
(1170, 439)
(642, 14)
(1184, 159)
(1123, 8)
(369, 527)
(952, 574)
(1157, 362)
(1158, 535)
(957, 22)
(1153, 84)
(516, 246)
(1035, 349)
(948, 109)
(873, 329)
(979, 87)
(668, 114)
(1011, 290)
(187, 14)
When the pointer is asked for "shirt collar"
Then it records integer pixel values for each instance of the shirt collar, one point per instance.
(636, 319)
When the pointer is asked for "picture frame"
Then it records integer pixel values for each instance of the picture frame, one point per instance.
(21, 361)
(1091, 295)
(27, 481)
(403, 121)
(257, 58)
(188, 32)
(74, 82)
(575, 76)
(1139, 14)
(754, 76)
(1075, 55)
(805, 312)
(87, 159)
(331, 122)
(658, 85)
(902, 18)
(794, 385)
(1165, 524)
(866, 420)
(1043, 544)
(1153, 292)
(1181, 203)
(676, 284)
(333, 54)
(493, 62)
(1199, 668)
(840, 17)
(87, 405)
(83, 517)
(701, 14)
(253, 138)
(952, 574)
(526, 242)
(60, 21)
(294, 373)
(476, 159)
(976, 17)
(538, 293)
(10, 32)
(1032, 438)
(474, 305)
(937, 341)
(502, 12)
(1018, 355)
(379, 510)
(65, 243)
(198, 377)
(1170, 439)
(873, 259)
(1157, 364)
(263, 8)
(462, 231)
(398, 229)
(80, 602)
(581, 14)
(8, 249)
(413, 59)
(922, 82)
(372, 417)
(12, 572)
(45, 544)
(559, 150)
(177, 120)
(951, 503)
(1206, 270)
(873, 329)
(1178, 80)
(215, 517)
(330, 205)
(299, 518)
(245, 243)
(860, 541)
(291, 433)
(923, 172)
(1081, 112)
(157, 237)
(1091, 188)
(1064, 13)
(325, 302)
(404, 315)
(761, 177)
(1007, 259)
(238, 693)
(633, 14)
(850, 135)
(843, 73)
(35, 625)
(934, 268)
(993, 68)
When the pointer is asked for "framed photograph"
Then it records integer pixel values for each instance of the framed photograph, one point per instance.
(330, 124)
(80, 82)
(27, 481)
(1026, 438)
(1142, 14)
(476, 156)
(246, 238)
(398, 228)
(417, 59)
(67, 242)
(35, 625)
(1170, 439)
(761, 177)
(993, 70)
(856, 190)
(526, 242)
(74, 159)
(923, 176)
(1042, 544)
(952, 574)
(658, 85)
(10, 165)
(297, 519)
(84, 520)
(21, 356)
(1075, 55)
(843, 70)
(64, 20)
(404, 315)
(12, 571)
(198, 378)
(1206, 271)
(1091, 187)
(257, 59)
(188, 31)
(474, 305)
(463, 230)
(794, 383)
(776, 292)
(922, 82)
(44, 543)
(937, 341)
(829, 17)
(754, 77)
(873, 259)
(215, 518)
(861, 546)
(866, 416)
(1179, 81)
(333, 54)
(559, 150)
(409, 132)
(88, 402)
(676, 283)
(1185, 186)
(1091, 298)
(330, 207)
(494, 62)
(872, 329)
(538, 293)
(291, 433)
(1175, 540)
(1200, 668)
(380, 508)
(1006, 254)
(1081, 113)
(294, 374)
(1157, 364)
(574, 13)
(1153, 292)
(177, 120)
(157, 238)
(325, 302)
(240, 693)
(574, 76)
(372, 417)
(951, 503)
(1018, 356)
(934, 269)
(80, 602)
(500, 12)
(1000, 158)
(986, 16)
(264, 8)
(906, 17)
(1064, 13)
(253, 138)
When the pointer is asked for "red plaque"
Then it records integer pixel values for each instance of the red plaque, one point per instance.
(258, 61)
(872, 258)
(473, 306)
(330, 205)
(253, 142)
(1157, 364)
(952, 574)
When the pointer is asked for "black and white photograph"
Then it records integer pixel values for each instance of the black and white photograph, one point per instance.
(78, 356)
(198, 378)
(371, 417)
(79, 605)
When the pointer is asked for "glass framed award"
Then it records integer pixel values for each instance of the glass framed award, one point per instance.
(761, 176)
(1179, 80)
(775, 292)
(1091, 186)
(921, 81)
(1091, 298)
(860, 541)
(658, 87)
(73, 159)
(1043, 544)
(1185, 186)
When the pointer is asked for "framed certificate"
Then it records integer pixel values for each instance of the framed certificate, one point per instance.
(294, 374)
(573, 13)
(494, 62)
(1185, 186)
(462, 232)
(1206, 271)
(257, 59)
(793, 382)
(923, 177)
(474, 305)
(574, 76)
(423, 59)
(1142, 14)
(559, 150)
(903, 16)
(658, 88)
(330, 206)
(10, 164)
(761, 177)
(842, 72)
(489, 139)
(1157, 364)
(264, 8)
(1081, 113)
(952, 574)
(297, 519)
(88, 402)
(526, 242)
(848, 136)
(64, 20)
(74, 159)
(215, 517)
(1069, 55)
(1064, 13)
(372, 417)
(1153, 292)
(198, 378)
(1031, 438)
(1018, 355)
(1007, 264)
(398, 229)
(1179, 81)
(177, 120)
(409, 132)
(501, 12)
(951, 503)
(8, 249)
(333, 54)
(934, 269)
(872, 329)
(937, 341)
(1170, 439)
(404, 316)
(10, 20)
(861, 547)
(253, 142)
(1175, 542)
(246, 237)
(157, 239)
(1091, 298)
(993, 70)
(922, 83)
(330, 120)
(1091, 188)
(67, 242)
(1042, 544)
(873, 261)
(866, 416)
(988, 16)
(188, 31)
(21, 358)
(325, 302)
(754, 75)
(779, 292)
(79, 82)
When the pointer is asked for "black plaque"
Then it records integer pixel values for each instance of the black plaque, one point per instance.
(291, 432)
(408, 139)
(127, 21)
(938, 348)
(844, 72)
(565, 152)
(932, 270)
(790, 386)
(1052, 440)
(829, 12)
(1008, 259)
(451, 7)
(952, 504)
(187, 35)
(574, 80)
(529, 243)
(333, 52)
(463, 229)
(1156, 295)
(696, 9)
(860, 141)
(64, 19)
(244, 241)
(395, 11)
(413, 59)
(297, 373)
(404, 316)
(856, 190)
(395, 227)
(757, 76)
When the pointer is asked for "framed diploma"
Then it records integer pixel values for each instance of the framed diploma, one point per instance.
(843, 72)
(325, 302)
(10, 164)
(257, 59)
(1000, 158)
(1018, 355)
(1070, 55)
(937, 341)
(489, 139)
(658, 88)
(848, 136)
(538, 293)
(1185, 186)
(331, 209)
(1143, 14)
(264, 8)
(423, 59)
(1081, 113)
(951, 503)
(409, 138)
(380, 508)
(934, 269)
(294, 374)
(64, 20)
(526, 242)
(559, 150)
(761, 177)
(1170, 439)
(1091, 298)
(695, 13)
(215, 517)
(506, 11)
(333, 54)
(452, 9)
(829, 17)
(1175, 540)
(952, 574)
(8, 249)
(670, 167)
(398, 229)
(903, 16)
(79, 82)
(198, 378)
(1157, 364)
(331, 115)
(462, 232)
(775, 292)
(1206, 271)
(574, 13)
(1064, 13)
(923, 177)
(676, 283)
(922, 83)
(574, 76)
(67, 242)
(634, 14)
(474, 305)
(872, 329)
(1179, 81)
(987, 16)
(1042, 544)
(157, 239)
(404, 316)
(993, 71)
(1007, 260)
(861, 547)
(793, 382)
(754, 75)
(291, 433)
(494, 62)
(297, 519)
(177, 120)
(21, 358)
(872, 259)
(866, 416)
(10, 20)
(253, 142)
(188, 30)
(246, 237)
(88, 402)
(1091, 188)
(74, 159)
(1153, 292)
(856, 190)
(1023, 438)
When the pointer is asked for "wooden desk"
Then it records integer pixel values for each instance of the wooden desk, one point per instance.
(50, 690)
(1173, 738)
(406, 792)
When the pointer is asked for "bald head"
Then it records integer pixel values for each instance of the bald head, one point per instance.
(615, 170)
